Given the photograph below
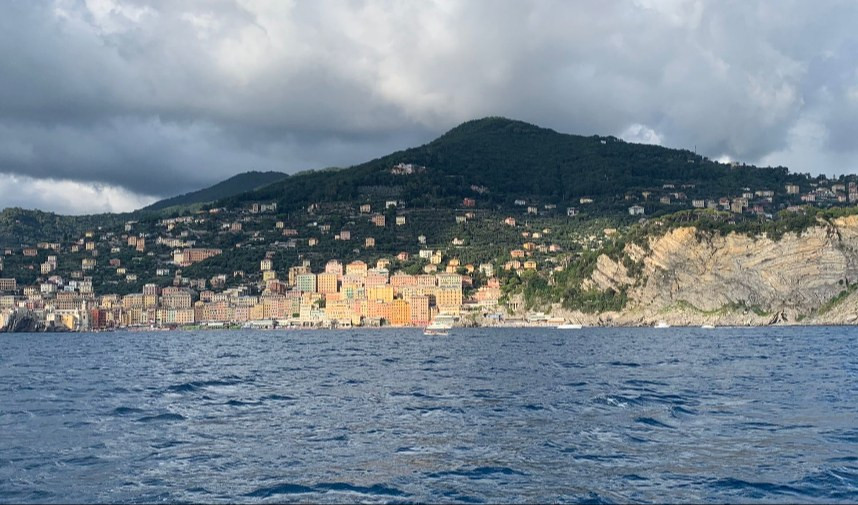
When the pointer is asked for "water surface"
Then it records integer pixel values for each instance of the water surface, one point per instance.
(485, 415)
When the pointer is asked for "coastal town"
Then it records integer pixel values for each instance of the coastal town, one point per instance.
(411, 287)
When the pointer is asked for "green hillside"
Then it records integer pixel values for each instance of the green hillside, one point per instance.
(507, 160)
(241, 183)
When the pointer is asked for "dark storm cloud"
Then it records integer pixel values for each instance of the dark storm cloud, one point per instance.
(156, 98)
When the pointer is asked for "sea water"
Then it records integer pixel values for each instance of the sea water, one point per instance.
(391, 415)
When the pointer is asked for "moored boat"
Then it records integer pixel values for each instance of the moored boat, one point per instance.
(437, 328)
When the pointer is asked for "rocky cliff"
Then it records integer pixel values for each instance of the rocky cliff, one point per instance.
(23, 321)
(686, 276)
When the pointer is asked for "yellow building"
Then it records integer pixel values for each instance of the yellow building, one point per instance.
(150, 301)
(383, 293)
(356, 268)
(400, 313)
(449, 300)
(327, 283)
(338, 310)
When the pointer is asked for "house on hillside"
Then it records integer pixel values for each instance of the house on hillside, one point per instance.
(636, 210)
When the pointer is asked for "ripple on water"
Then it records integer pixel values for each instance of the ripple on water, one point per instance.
(480, 472)
(162, 418)
(289, 488)
(649, 421)
(187, 387)
(125, 411)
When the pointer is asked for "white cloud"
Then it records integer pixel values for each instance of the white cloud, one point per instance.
(67, 197)
(641, 134)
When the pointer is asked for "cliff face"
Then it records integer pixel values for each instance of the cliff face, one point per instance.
(689, 277)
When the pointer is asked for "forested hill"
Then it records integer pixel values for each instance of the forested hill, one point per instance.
(500, 160)
(247, 181)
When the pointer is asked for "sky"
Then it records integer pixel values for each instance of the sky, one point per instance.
(108, 105)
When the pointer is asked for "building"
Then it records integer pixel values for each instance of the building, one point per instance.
(378, 220)
(418, 306)
(357, 268)
(326, 283)
(792, 189)
(334, 267)
(8, 285)
(188, 257)
(306, 282)
(400, 313)
(636, 210)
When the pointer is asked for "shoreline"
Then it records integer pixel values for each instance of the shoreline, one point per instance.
(142, 329)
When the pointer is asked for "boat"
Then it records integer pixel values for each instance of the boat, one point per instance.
(437, 328)
(570, 326)
(662, 324)
(707, 326)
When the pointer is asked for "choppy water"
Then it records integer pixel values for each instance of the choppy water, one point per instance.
(593, 415)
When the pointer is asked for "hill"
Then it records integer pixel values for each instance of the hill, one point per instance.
(23, 226)
(235, 185)
(498, 161)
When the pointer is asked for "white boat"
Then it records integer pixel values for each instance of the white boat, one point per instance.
(707, 326)
(437, 328)
(570, 326)
(662, 324)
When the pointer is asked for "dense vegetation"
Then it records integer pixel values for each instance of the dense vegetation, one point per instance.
(20, 226)
(512, 160)
(241, 183)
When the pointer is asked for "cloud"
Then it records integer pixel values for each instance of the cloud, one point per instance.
(160, 98)
(67, 197)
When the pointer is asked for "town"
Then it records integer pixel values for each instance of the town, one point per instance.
(70, 283)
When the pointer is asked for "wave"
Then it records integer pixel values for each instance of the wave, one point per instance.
(197, 385)
(125, 411)
(324, 487)
(169, 417)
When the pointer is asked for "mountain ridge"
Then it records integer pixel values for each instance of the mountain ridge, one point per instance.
(239, 183)
(513, 159)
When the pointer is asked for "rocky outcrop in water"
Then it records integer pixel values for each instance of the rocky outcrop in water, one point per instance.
(24, 321)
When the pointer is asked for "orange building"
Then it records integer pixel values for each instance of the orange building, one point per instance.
(419, 310)
(400, 313)
(327, 282)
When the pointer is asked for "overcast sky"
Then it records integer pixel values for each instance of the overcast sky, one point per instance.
(107, 105)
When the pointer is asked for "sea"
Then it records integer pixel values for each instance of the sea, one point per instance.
(596, 415)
